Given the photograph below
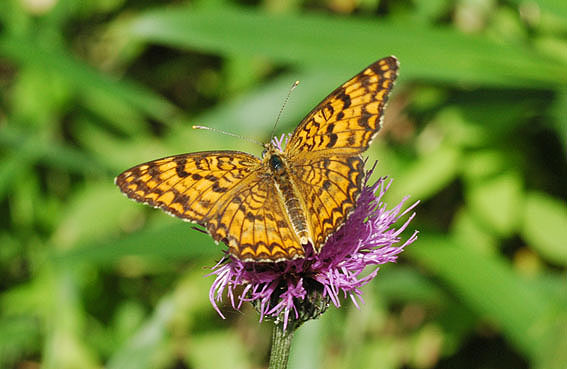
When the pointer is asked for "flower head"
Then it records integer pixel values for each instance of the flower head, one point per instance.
(301, 289)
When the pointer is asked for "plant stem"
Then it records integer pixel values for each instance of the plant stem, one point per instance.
(281, 344)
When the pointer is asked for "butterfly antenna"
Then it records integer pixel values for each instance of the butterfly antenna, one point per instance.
(251, 140)
(283, 106)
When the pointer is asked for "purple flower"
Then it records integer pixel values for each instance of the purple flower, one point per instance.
(304, 287)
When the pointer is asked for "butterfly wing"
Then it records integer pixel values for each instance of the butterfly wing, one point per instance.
(347, 120)
(330, 188)
(254, 224)
(225, 191)
(325, 146)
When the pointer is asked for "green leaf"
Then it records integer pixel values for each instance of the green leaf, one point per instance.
(30, 147)
(544, 226)
(12, 170)
(234, 31)
(398, 284)
(556, 7)
(559, 117)
(143, 348)
(497, 202)
(482, 165)
(489, 286)
(85, 79)
(212, 350)
(20, 335)
(472, 233)
(170, 327)
(174, 239)
(92, 214)
(428, 174)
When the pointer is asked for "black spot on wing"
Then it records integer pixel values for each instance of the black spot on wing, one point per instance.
(180, 167)
(332, 140)
(345, 99)
(218, 188)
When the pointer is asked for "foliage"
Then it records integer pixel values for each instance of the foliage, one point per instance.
(476, 129)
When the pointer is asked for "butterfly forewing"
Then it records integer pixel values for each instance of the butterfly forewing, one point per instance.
(187, 185)
(347, 120)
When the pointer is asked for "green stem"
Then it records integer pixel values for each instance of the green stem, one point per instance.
(281, 344)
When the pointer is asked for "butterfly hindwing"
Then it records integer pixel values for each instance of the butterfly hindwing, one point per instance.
(254, 223)
(330, 187)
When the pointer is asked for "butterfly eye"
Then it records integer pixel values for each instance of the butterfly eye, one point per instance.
(264, 152)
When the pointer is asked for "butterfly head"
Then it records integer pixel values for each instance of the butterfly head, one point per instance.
(273, 156)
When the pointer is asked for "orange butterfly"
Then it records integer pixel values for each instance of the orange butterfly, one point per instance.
(270, 208)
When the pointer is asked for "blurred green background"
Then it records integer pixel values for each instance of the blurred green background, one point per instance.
(476, 129)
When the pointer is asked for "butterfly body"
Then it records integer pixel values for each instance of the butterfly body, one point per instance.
(272, 208)
(282, 174)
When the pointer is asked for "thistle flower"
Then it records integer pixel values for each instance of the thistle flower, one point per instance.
(301, 289)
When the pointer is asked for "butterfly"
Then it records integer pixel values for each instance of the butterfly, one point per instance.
(273, 208)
